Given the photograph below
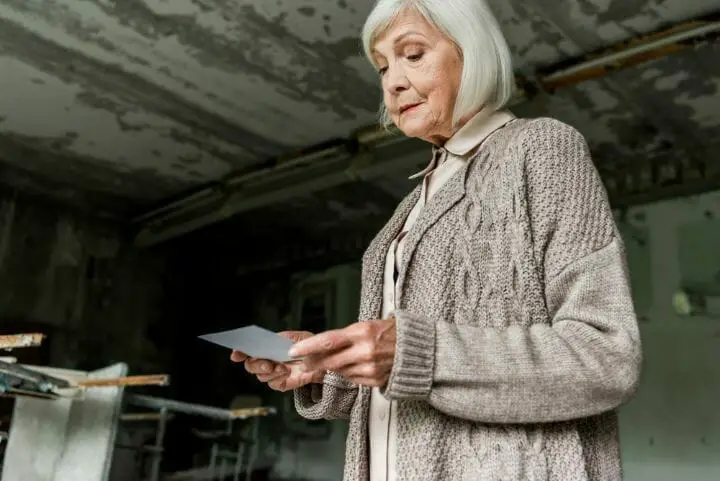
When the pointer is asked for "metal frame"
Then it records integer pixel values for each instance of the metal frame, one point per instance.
(166, 407)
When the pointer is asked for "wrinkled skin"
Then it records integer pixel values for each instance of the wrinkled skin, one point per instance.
(421, 67)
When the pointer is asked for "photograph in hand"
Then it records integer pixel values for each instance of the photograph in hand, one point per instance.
(254, 341)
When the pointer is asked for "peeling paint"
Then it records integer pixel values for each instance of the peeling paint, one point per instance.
(146, 98)
(307, 11)
(533, 39)
(597, 23)
(218, 50)
(97, 118)
(253, 44)
(704, 107)
(682, 93)
(670, 82)
(612, 10)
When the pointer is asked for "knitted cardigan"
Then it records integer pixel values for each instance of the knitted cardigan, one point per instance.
(516, 333)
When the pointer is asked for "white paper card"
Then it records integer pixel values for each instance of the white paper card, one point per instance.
(254, 341)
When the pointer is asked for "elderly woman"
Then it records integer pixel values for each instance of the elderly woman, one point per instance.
(497, 333)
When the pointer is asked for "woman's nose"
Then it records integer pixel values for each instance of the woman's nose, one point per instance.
(397, 80)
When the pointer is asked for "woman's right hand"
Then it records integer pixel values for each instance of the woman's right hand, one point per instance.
(281, 376)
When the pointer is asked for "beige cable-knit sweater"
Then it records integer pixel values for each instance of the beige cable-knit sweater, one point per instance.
(517, 337)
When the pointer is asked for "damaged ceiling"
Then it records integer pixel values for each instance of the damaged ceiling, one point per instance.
(121, 104)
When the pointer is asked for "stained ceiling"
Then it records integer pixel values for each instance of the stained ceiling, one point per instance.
(120, 104)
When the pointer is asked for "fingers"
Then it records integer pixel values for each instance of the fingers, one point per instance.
(236, 356)
(325, 342)
(333, 362)
(293, 379)
(278, 376)
(295, 336)
(259, 366)
(282, 377)
(354, 352)
(356, 345)
(278, 385)
(280, 371)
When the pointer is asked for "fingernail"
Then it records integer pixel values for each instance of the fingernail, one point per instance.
(265, 367)
(293, 352)
(302, 367)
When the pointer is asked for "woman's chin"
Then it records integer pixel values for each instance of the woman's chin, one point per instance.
(413, 127)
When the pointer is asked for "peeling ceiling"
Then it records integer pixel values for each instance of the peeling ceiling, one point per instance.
(123, 103)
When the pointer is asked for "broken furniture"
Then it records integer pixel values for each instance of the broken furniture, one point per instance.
(64, 421)
(222, 462)
(65, 438)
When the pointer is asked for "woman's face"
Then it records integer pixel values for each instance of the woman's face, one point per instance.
(420, 71)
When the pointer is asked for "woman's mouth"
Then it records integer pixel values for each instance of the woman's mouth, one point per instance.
(408, 108)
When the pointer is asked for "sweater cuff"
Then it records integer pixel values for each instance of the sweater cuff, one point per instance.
(412, 372)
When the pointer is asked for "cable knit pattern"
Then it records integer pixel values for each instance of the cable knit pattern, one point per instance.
(332, 400)
(516, 334)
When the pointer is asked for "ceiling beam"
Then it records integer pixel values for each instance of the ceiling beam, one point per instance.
(633, 52)
(363, 155)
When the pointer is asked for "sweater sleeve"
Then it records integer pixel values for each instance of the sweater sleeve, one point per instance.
(333, 399)
(586, 359)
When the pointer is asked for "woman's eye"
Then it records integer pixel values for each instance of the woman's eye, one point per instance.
(381, 71)
(415, 57)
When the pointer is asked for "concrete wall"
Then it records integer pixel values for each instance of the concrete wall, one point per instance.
(72, 278)
(671, 431)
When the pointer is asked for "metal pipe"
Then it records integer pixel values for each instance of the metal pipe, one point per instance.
(142, 417)
(336, 150)
(214, 456)
(191, 199)
(196, 409)
(254, 449)
(209, 195)
(633, 52)
(144, 449)
(235, 203)
(239, 455)
(159, 440)
(619, 57)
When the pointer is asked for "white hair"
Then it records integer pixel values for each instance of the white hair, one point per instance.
(487, 80)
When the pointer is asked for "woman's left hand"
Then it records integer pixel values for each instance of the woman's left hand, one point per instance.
(363, 352)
